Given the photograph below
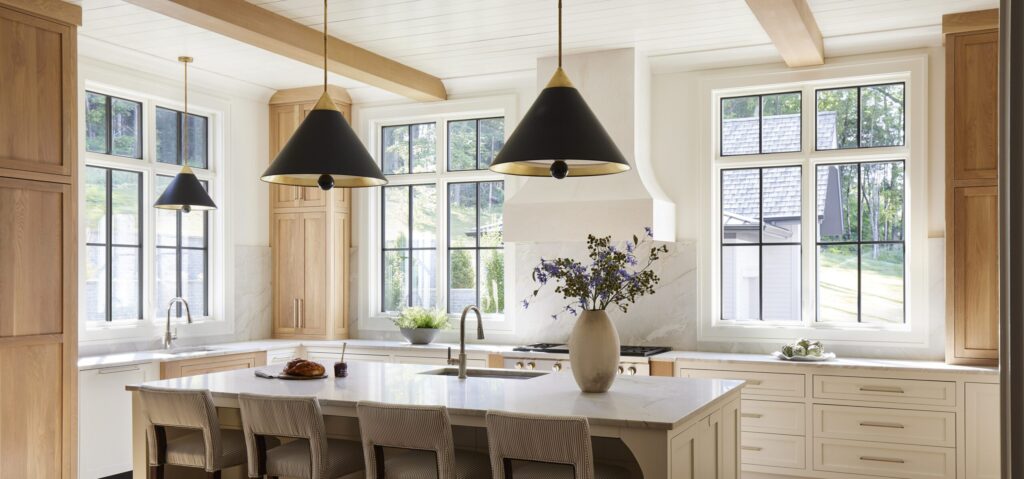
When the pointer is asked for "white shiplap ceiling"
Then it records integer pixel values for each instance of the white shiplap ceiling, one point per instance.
(464, 38)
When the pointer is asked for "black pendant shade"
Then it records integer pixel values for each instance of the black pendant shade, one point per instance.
(559, 136)
(324, 152)
(185, 193)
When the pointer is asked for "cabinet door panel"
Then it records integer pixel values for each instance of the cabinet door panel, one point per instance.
(37, 130)
(976, 272)
(30, 411)
(283, 121)
(313, 307)
(33, 220)
(288, 267)
(974, 63)
(981, 422)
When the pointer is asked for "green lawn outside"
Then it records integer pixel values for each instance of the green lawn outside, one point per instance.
(882, 284)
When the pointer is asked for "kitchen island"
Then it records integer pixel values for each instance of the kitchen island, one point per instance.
(658, 427)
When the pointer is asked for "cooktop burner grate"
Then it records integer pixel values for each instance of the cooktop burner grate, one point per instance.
(555, 348)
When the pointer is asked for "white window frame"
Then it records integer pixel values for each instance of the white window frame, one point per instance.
(912, 70)
(151, 325)
(371, 121)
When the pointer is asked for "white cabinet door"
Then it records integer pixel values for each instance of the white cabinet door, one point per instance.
(104, 418)
(981, 421)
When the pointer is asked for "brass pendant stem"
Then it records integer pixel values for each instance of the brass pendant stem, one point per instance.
(184, 122)
(325, 46)
(559, 34)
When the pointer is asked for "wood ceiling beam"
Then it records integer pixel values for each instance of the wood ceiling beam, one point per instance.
(791, 26)
(261, 28)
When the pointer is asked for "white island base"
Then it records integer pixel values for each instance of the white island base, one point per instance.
(657, 427)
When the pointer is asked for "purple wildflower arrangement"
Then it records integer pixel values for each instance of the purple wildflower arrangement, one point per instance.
(615, 275)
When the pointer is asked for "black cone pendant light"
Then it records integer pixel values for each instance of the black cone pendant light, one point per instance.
(185, 192)
(324, 151)
(559, 135)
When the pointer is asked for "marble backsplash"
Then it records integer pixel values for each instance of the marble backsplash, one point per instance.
(251, 302)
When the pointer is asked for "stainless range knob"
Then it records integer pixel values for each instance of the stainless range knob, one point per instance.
(631, 371)
(531, 365)
(519, 365)
(556, 367)
(620, 371)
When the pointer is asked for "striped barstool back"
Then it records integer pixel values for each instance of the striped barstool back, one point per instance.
(190, 409)
(421, 428)
(283, 416)
(540, 439)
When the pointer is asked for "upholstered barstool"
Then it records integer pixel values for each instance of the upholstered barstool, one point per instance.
(528, 446)
(420, 438)
(310, 454)
(183, 430)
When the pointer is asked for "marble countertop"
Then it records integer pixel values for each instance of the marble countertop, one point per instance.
(212, 350)
(633, 401)
(861, 363)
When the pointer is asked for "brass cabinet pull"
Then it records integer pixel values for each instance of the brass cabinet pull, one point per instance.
(295, 313)
(302, 312)
(751, 415)
(882, 389)
(750, 448)
(893, 460)
(891, 425)
(754, 382)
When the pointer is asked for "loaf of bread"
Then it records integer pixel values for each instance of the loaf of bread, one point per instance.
(304, 368)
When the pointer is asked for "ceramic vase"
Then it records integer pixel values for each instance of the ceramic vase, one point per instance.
(594, 351)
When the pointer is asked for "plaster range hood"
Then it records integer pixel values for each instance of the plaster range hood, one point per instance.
(616, 85)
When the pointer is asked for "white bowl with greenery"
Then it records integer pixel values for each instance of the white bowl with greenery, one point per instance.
(421, 325)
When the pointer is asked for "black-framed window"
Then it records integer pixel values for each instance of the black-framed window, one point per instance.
(113, 239)
(182, 257)
(758, 124)
(867, 116)
(169, 127)
(761, 244)
(476, 254)
(409, 148)
(409, 246)
(113, 126)
(861, 270)
(473, 143)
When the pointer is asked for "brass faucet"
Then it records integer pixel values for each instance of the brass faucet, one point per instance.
(168, 337)
(461, 362)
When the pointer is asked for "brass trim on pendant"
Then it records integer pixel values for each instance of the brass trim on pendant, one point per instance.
(522, 168)
(560, 79)
(340, 181)
(326, 103)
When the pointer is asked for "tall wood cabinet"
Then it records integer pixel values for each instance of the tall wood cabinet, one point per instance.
(38, 262)
(972, 196)
(310, 234)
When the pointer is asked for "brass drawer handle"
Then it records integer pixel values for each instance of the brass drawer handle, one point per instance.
(750, 448)
(751, 415)
(882, 389)
(882, 459)
(891, 425)
(754, 382)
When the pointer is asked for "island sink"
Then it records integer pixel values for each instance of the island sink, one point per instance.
(486, 373)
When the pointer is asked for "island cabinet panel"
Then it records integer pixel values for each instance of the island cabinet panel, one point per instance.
(197, 366)
(310, 235)
(982, 426)
(37, 129)
(972, 197)
(708, 448)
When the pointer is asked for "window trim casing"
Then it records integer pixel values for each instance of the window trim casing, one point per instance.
(106, 79)
(368, 122)
(909, 67)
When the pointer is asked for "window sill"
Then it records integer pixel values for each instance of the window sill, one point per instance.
(136, 330)
(775, 332)
(385, 322)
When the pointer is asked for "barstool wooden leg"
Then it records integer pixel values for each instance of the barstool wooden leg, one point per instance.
(156, 472)
(213, 475)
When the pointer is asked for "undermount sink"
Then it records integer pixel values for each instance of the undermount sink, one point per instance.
(486, 373)
(191, 350)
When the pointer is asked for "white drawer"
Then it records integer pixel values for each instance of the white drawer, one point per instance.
(923, 428)
(758, 384)
(888, 460)
(908, 391)
(772, 417)
(772, 450)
